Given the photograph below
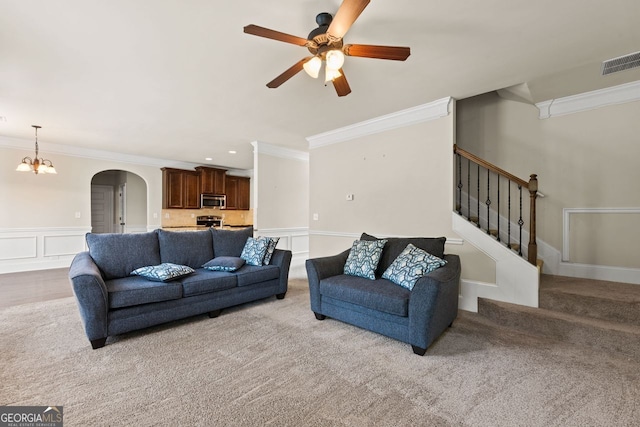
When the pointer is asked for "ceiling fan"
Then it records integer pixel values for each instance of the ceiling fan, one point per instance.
(326, 45)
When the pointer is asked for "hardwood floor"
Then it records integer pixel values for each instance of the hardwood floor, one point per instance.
(34, 286)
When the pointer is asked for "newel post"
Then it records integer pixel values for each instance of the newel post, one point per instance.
(533, 194)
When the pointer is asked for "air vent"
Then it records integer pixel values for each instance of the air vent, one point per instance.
(621, 63)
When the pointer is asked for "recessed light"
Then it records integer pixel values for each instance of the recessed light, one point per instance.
(208, 159)
(232, 151)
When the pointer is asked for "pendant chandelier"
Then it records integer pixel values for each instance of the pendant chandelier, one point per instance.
(37, 164)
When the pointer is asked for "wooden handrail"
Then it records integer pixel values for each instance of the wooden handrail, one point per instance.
(487, 165)
(531, 185)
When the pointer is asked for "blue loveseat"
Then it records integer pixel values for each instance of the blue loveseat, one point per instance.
(113, 302)
(416, 316)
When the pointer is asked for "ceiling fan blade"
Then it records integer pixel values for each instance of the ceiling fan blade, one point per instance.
(396, 53)
(292, 71)
(274, 35)
(345, 16)
(341, 85)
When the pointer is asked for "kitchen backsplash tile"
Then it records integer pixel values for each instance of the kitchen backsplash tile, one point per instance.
(187, 217)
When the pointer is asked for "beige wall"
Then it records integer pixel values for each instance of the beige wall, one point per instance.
(282, 192)
(30, 200)
(583, 160)
(401, 183)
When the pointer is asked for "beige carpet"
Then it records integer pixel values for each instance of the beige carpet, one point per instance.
(272, 363)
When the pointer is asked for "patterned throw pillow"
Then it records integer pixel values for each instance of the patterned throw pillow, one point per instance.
(163, 272)
(363, 258)
(273, 242)
(254, 251)
(224, 263)
(410, 265)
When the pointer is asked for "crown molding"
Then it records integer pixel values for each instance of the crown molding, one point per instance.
(418, 114)
(89, 153)
(278, 151)
(620, 94)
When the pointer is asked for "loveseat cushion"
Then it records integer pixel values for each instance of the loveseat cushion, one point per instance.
(192, 248)
(117, 255)
(250, 274)
(136, 290)
(206, 281)
(395, 246)
(230, 242)
(380, 294)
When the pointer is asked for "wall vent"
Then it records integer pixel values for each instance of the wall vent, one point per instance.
(621, 63)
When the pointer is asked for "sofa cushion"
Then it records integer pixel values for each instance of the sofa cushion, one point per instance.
(380, 294)
(250, 274)
(117, 255)
(206, 281)
(230, 242)
(395, 246)
(224, 263)
(254, 251)
(192, 248)
(411, 264)
(136, 290)
(363, 258)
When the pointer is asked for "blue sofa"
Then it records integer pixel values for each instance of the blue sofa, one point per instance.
(416, 316)
(113, 302)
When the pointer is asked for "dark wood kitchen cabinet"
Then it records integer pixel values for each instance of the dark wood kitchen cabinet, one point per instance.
(238, 190)
(180, 189)
(212, 180)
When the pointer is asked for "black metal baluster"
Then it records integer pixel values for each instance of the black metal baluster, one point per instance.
(509, 216)
(498, 235)
(488, 202)
(520, 221)
(459, 205)
(468, 190)
(478, 199)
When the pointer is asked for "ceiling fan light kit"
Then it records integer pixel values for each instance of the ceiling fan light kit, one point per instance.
(326, 45)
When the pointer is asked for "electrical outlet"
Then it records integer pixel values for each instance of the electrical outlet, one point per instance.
(315, 216)
(155, 215)
(350, 197)
(193, 215)
(166, 216)
(78, 215)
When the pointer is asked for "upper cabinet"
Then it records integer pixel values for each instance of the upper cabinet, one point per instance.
(212, 180)
(180, 189)
(238, 192)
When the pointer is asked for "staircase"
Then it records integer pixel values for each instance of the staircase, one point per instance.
(597, 314)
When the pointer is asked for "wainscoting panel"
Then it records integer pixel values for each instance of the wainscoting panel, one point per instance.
(28, 249)
(294, 239)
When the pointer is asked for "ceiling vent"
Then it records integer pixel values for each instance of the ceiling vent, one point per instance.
(621, 63)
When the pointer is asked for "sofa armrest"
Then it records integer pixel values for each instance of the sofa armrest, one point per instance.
(91, 295)
(321, 268)
(282, 258)
(434, 302)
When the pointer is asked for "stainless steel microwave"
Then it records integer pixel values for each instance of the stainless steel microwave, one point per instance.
(213, 201)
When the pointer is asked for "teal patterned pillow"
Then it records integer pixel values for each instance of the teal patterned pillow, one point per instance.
(273, 242)
(410, 265)
(363, 258)
(163, 272)
(254, 251)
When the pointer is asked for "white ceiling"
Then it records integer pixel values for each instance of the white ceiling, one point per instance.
(180, 80)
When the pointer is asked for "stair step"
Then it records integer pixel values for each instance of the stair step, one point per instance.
(617, 302)
(583, 331)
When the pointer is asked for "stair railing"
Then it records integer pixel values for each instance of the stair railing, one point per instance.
(482, 170)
